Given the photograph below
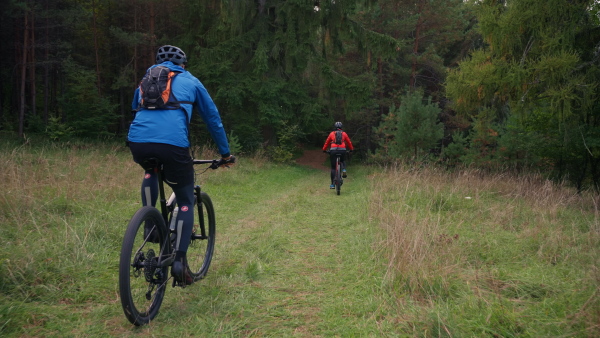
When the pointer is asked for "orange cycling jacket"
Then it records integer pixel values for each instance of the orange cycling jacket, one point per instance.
(331, 141)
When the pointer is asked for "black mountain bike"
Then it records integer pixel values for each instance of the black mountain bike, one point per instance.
(147, 251)
(337, 178)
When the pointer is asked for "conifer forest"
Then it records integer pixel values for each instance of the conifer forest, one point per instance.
(492, 84)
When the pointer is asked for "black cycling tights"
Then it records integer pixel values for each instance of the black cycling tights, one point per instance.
(185, 203)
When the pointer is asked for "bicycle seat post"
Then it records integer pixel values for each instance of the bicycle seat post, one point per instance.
(161, 192)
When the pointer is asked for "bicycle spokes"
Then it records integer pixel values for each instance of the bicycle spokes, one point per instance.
(142, 273)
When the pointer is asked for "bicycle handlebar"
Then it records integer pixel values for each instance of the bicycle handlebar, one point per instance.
(329, 151)
(215, 164)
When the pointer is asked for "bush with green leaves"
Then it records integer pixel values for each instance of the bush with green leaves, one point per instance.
(411, 130)
(286, 148)
(235, 146)
(453, 154)
(57, 130)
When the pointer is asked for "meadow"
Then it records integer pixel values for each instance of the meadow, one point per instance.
(401, 252)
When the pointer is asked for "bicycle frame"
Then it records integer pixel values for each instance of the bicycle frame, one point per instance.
(167, 208)
(337, 178)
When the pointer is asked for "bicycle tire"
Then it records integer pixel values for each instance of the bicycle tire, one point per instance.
(338, 177)
(142, 284)
(202, 246)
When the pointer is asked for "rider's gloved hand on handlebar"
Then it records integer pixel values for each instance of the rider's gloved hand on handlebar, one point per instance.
(227, 161)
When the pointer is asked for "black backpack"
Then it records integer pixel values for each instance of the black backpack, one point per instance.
(155, 89)
(338, 137)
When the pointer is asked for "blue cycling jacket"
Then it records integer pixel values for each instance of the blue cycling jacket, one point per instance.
(170, 126)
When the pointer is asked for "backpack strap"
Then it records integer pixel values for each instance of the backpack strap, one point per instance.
(172, 75)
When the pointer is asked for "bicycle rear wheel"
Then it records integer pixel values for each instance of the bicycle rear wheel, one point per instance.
(202, 246)
(142, 283)
(338, 176)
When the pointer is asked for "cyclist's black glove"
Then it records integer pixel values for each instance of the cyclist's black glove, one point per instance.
(226, 161)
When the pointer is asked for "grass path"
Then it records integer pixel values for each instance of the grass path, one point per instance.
(296, 261)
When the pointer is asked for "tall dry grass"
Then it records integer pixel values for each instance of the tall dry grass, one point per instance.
(489, 238)
(419, 245)
(57, 179)
(53, 210)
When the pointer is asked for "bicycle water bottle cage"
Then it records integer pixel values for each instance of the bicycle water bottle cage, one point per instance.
(150, 163)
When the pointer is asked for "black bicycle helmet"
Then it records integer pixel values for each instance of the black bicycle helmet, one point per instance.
(338, 125)
(171, 53)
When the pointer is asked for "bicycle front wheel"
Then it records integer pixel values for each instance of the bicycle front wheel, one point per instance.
(142, 282)
(202, 246)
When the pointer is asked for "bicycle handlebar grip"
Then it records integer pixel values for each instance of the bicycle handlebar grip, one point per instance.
(223, 162)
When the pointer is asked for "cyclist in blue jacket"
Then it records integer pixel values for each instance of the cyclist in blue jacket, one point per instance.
(163, 134)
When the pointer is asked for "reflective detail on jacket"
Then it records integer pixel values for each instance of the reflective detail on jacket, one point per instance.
(331, 142)
(170, 126)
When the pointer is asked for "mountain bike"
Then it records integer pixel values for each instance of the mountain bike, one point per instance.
(337, 178)
(147, 251)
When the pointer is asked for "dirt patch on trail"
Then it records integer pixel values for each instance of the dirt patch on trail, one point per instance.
(314, 159)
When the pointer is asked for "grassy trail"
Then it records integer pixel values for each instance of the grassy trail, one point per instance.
(297, 260)
(319, 243)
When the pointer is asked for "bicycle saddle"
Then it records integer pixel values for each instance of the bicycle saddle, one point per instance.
(151, 163)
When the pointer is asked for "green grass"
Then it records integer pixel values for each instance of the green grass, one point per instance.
(401, 252)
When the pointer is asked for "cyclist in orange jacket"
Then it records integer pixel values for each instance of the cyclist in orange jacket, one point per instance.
(337, 142)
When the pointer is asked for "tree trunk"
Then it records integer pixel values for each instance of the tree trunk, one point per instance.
(96, 48)
(413, 73)
(152, 36)
(32, 65)
(1, 104)
(46, 67)
(23, 75)
(381, 94)
(135, 47)
(594, 172)
(122, 122)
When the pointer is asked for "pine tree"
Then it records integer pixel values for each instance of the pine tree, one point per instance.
(430, 36)
(540, 64)
(410, 131)
(270, 63)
